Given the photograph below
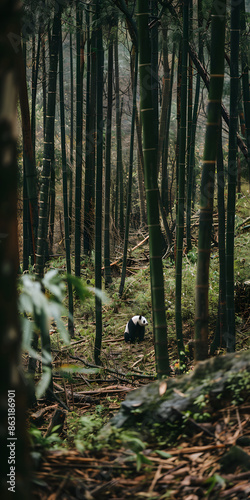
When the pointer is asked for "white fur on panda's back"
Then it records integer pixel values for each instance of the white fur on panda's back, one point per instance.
(136, 320)
(142, 321)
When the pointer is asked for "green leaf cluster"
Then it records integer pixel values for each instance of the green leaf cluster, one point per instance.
(38, 308)
(239, 386)
(45, 442)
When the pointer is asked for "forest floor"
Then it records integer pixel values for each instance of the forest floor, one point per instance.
(77, 464)
(191, 469)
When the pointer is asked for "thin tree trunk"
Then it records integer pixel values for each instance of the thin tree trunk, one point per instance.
(71, 163)
(232, 172)
(165, 92)
(26, 222)
(79, 115)
(44, 83)
(52, 206)
(35, 68)
(88, 145)
(140, 169)
(245, 78)
(65, 188)
(154, 66)
(33, 91)
(121, 187)
(48, 155)
(181, 187)
(52, 196)
(107, 270)
(90, 150)
(98, 206)
(207, 181)
(119, 167)
(164, 183)
(131, 159)
(191, 164)
(221, 326)
(189, 139)
(178, 116)
(30, 202)
(190, 89)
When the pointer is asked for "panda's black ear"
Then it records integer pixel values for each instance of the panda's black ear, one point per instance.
(140, 317)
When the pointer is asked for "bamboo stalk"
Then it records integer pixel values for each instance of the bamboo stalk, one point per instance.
(181, 185)
(207, 181)
(150, 174)
(232, 172)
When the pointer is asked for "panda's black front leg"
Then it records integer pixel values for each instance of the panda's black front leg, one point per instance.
(127, 337)
(141, 333)
(132, 331)
(133, 336)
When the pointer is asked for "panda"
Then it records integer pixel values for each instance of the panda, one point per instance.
(135, 329)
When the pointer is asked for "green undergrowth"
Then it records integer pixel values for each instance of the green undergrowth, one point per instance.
(136, 298)
(90, 431)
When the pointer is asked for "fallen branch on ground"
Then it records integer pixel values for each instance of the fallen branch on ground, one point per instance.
(132, 249)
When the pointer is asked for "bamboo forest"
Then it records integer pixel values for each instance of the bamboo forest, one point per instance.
(124, 249)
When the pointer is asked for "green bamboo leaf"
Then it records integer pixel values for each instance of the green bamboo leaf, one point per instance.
(100, 294)
(214, 481)
(81, 288)
(27, 328)
(77, 369)
(138, 461)
(32, 300)
(46, 358)
(132, 440)
(44, 382)
(56, 311)
(163, 454)
(29, 285)
(53, 282)
(141, 459)
(25, 303)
